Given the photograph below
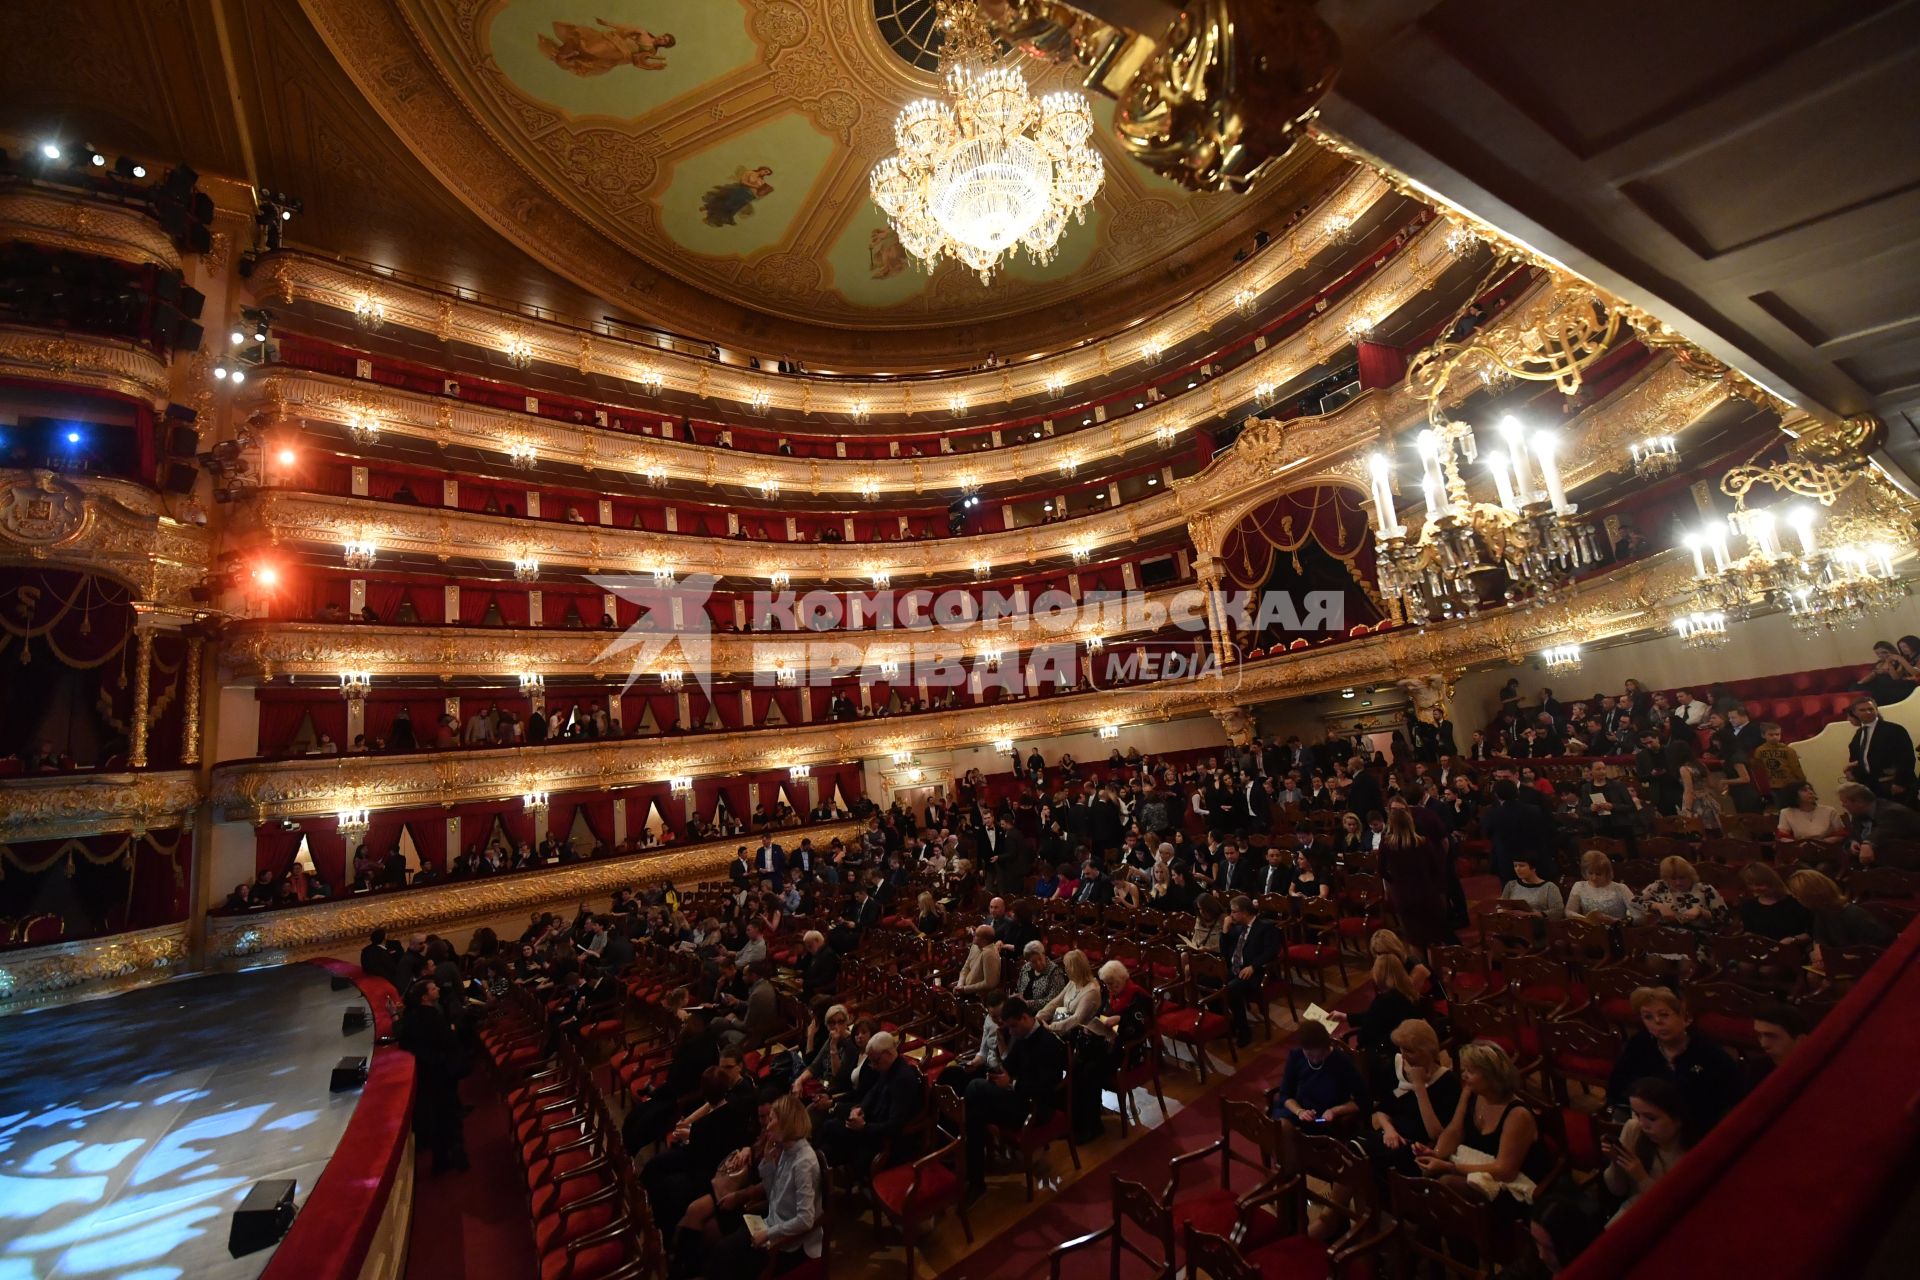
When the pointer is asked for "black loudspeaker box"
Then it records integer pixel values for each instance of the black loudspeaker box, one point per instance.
(180, 477)
(183, 442)
(262, 1218)
(348, 1073)
(354, 1020)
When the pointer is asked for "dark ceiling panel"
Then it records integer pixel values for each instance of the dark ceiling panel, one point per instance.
(1819, 164)
(1594, 78)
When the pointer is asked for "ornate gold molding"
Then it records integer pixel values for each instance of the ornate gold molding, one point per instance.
(1624, 602)
(60, 806)
(304, 931)
(56, 220)
(36, 976)
(256, 650)
(83, 361)
(289, 277)
(113, 526)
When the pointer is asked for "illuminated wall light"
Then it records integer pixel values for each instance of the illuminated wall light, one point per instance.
(287, 457)
(526, 569)
(982, 570)
(363, 427)
(1153, 348)
(1056, 383)
(889, 670)
(1069, 466)
(784, 676)
(266, 575)
(916, 775)
(680, 785)
(859, 410)
(990, 657)
(369, 313)
(1003, 745)
(535, 801)
(650, 377)
(780, 579)
(1081, 554)
(902, 757)
(519, 353)
(869, 488)
(522, 455)
(1561, 658)
(532, 682)
(1340, 229)
(672, 678)
(957, 405)
(354, 824)
(662, 575)
(360, 555)
(1243, 300)
(768, 486)
(1096, 642)
(759, 400)
(1263, 393)
(356, 684)
(882, 579)
(799, 772)
(1108, 732)
(1360, 326)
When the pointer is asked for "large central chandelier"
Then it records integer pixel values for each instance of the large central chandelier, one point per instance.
(991, 169)
(1525, 549)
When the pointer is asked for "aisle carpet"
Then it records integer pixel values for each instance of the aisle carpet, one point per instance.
(473, 1225)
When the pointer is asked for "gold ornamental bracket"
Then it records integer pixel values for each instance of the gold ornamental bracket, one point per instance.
(1211, 94)
(114, 527)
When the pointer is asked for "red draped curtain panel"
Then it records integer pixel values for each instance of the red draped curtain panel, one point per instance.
(1329, 515)
(98, 884)
(1381, 365)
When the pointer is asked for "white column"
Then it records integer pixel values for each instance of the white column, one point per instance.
(533, 504)
(533, 609)
(356, 595)
(359, 482)
(683, 711)
(619, 820)
(673, 522)
(453, 604)
(606, 511)
(449, 493)
(453, 841)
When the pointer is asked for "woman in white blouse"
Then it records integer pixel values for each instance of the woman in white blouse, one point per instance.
(1803, 817)
(1598, 894)
(1078, 1002)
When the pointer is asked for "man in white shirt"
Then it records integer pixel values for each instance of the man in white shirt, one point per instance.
(1689, 710)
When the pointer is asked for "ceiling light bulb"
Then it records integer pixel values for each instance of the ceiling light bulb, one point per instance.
(51, 150)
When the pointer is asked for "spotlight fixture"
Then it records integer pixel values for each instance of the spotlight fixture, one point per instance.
(50, 150)
(97, 160)
(127, 167)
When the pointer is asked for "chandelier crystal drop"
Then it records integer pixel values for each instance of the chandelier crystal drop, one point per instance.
(991, 169)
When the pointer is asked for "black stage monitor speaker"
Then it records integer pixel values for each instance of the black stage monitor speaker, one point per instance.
(341, 984)
(348, 1073)
(183, 441)
(180, 477)
(262, 1218)
(354, 1020)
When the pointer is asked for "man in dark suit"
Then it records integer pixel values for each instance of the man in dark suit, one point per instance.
(1094, 885)
(1276, 875)
(1013, 858)
(1103, 823)
(860, 914)
(1256, 804)
(1025, 1090)
(1883, 830)
(1742, 734)
(1515, 826)
(378, 960)
(892, 1092)
(740, 871)
(1249, 946)
(693, 1053)
(1880, 757)
(1236, 873)
(770, 860)
(819, 972)
(1363, 794)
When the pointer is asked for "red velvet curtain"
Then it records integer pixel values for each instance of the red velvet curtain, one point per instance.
(1330, 515)
(1380, 365)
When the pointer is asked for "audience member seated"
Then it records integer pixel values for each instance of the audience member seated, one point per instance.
(1892, 824)
(1836, 921)
(1542, 897)
(1768, 909)
(1026, 1089)
(1321, 1086)
(1491, 1149)
(1597, 895)
(1668, 1047)
(1679, 897)
(1651, 1143)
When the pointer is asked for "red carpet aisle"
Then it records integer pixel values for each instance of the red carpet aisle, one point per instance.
(473, 1225)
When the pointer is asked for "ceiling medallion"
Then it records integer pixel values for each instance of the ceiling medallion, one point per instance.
(990, 169)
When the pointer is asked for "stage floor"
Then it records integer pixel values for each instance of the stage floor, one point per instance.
(131, 1127)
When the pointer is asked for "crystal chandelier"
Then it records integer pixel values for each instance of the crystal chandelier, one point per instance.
(1701, 630)
(990, 169)
(1530, 537)
(1821, 587)
(369, 314)
(1654, 457)
(1562, 659)
(360, 554)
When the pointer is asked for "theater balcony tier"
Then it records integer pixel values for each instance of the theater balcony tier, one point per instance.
(112, 526)
(1663, 398)
(264, 650)
(284, 278)
(317, 398)
(58, 806)
(68, 221)
(82, 360)
(317, 927)
(1628, 600)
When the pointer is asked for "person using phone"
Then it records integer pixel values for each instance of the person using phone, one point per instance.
(1651, 1143)
(1320, 1086)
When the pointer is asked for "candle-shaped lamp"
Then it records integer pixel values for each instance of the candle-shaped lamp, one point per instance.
(1801, 518)
(1385, 518)
(1502, 479)
(1544, 445)
(1516, 437)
